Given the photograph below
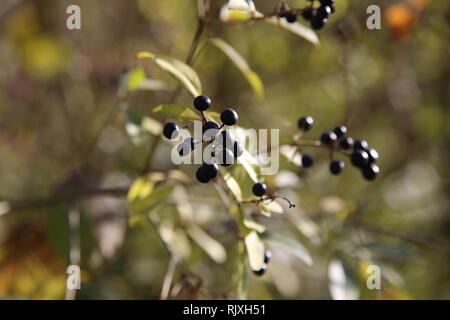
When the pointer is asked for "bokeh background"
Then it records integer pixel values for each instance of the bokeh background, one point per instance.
(67, 159)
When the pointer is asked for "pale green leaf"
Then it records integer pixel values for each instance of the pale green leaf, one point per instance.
(253, 79)
(134, 78)
(176, 112)
(296, 28)
(233, 186)
(154, 198)
(255, 250)
(289, 244)
(211, 246)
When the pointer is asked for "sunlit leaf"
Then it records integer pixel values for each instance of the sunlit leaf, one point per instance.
(289, 244)
(211, 246)
(245, 162)
(291, 154)
(140, 189)
(253, 79)
(176, 112)
(254, 225)
(341, 285)
(134, 78)
(274, 207)
(234, 186)
(255, 250)
(296, 28)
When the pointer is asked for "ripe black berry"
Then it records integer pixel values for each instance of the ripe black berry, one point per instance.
(202, 103)
(171, 130)
(238, 149)
(305, 123)
(327, 2)
(259, 189)
(225, 157)
(323, 12)
(360, 145)
(261, 271)
(210, 170)
(370, 172)
(336, 166)
(267, 256)
(340, 131)
(229, 117)
(210, 129)
(318, 23)
(226, 139)
(291, 17)
(200, 174)
(308, 13)
(373, 155)
(328, 138)
(184, 149)
(307, 161)
(359, 158)
(346, 143)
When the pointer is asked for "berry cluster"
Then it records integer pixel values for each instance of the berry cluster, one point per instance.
(361, 154)
(223, 146)
(267, 258)
(317, 17)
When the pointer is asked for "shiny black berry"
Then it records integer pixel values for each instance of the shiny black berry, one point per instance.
(336, 166)
(200, 174)
(328, 138)
(226, 139)
(238, 149)
(261, 271)
(323, 12)
(184, 149)
(373, 155)
(307, 160)
(202, 103)
(171, 130)
(327, 2)
(267, 256)
(210, 129)
(305, 123)
(291, 17)
(259, 189)
(225, 157)
(229, 117)
(318, 23)
(346, 143)
(360, 145)
(340, 131)
(210, 170)
(370, 172)
(359, 158)
(308, 13)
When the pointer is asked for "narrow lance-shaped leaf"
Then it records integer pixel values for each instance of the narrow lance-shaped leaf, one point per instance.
(290, 245)
(255, 250)
(176, 112)
(296, 28)
(253, 79)
(211, 246)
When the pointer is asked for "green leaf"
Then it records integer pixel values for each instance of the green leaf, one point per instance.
(134, 78)
(138, 125)
(296, 28)
(341, 281)
(142, 205)
(255, 250)
(233, 185)
(289, 244)
(176, 112)
(211, 246)
(253, 79)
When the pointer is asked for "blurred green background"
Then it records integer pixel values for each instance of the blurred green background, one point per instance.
(62, 135)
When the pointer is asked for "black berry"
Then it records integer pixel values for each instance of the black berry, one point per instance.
(171, 130)
(305, 123)
(267, 256)
(336, 166)
(323, 12)
(210, 170)
(229, 117)
(359, 158)
(373, 155)
(318, 23)
(360, 145)
(370, 172)
(210, 129)
(184, 149)
(291, 17)
(340, 131)
(261, 271)
(307, 160)
(259, 189)
(225, 157)
(200, 174)
(346, 143)
(226, 139)
(328, 138)
(308, 13)
(202, 103)
(327, 2)
(238, 149)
